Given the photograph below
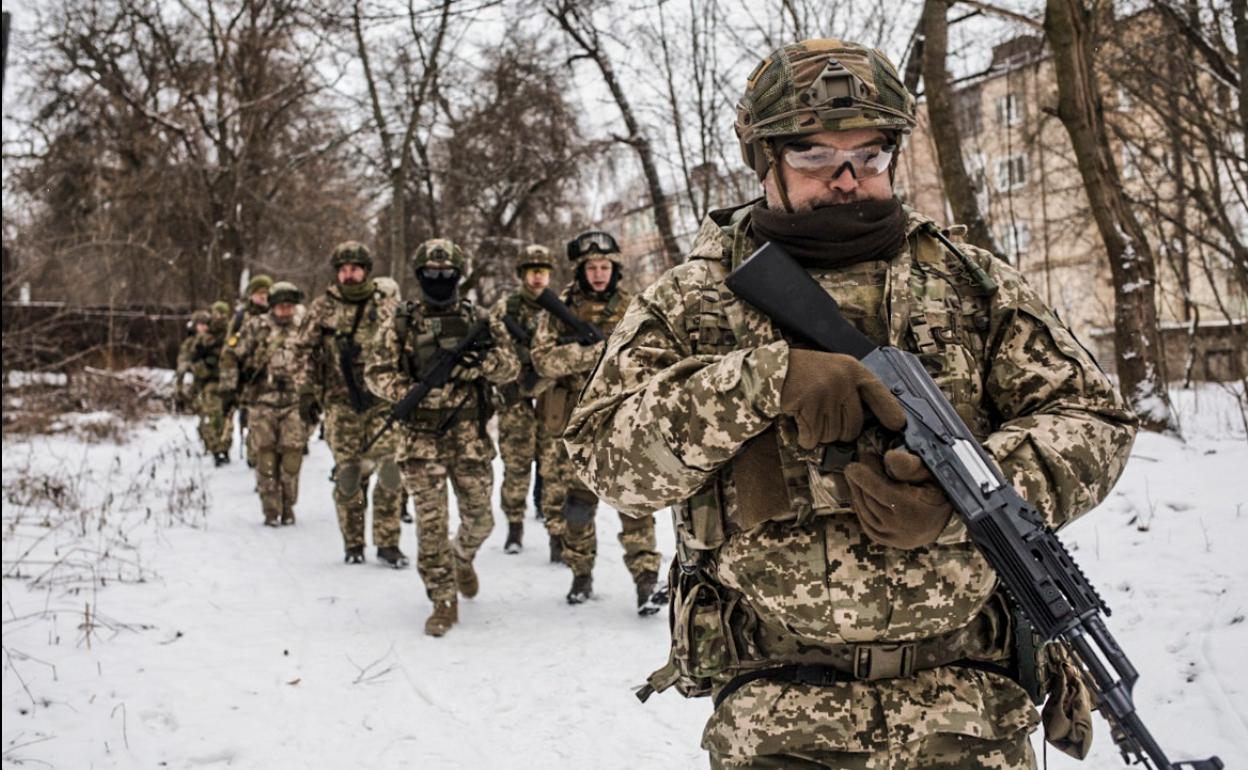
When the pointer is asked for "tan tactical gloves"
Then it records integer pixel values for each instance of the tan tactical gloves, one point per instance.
(896, 498)
(826, 392)
(898, 502)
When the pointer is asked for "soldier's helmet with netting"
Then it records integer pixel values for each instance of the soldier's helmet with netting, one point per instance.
(438, 252)
(351, 253)
(200, 317)
(284, 291)
(819, 85)
(533, 256)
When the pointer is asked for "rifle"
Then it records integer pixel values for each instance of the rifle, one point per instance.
(583, 332)
(435, 376)
(1031, 562)
(348, 351)
(528, 375)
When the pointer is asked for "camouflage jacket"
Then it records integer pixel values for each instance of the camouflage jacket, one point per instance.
(183, 367)
(332, 325)
(692, 373)
(524, 310)
(261, 362)
(407, 335)
(569, 364)
(205, 355)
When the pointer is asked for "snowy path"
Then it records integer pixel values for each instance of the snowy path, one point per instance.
(256, 647)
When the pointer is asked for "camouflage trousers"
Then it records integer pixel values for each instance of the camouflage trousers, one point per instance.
(276, 437)
(215, 430)
(571, 509)
(942, 718)
(463, 457)
(517, 443)
(346, 431)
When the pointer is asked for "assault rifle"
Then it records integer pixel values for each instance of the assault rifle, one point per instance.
(583, 332)
(1031, 562)
(524, 341)
(436, 374)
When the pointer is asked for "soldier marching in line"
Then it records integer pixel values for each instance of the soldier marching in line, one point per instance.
(211, 404)
(184, 395)
(595, 297)
(827, 599)
(445, 438)
(519, 436)
(331, 344)
(253, 304)
(259, 370)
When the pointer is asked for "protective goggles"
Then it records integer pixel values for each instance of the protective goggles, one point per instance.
(827, 163)
(439, 273)
(591, 243)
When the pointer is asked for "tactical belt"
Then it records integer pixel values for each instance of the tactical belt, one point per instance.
(867, 663)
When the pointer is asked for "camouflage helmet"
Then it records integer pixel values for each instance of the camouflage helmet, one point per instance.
(351, 253)
(533, 256)
(438, 252)
(258, 283)
(200, 317)
(220, 308)
(284, 291)
(819, 85)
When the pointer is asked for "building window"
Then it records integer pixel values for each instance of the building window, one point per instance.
(1011, 172)
(1014, 241)
(1009, 110)
(970, 114)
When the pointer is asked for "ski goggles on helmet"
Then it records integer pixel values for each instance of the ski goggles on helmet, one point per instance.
(827, 163)
(593, 242)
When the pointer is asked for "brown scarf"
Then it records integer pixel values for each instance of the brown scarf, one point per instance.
(834, 236)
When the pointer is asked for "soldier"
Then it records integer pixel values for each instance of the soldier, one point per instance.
(594, 296)
(184, 395)
(210, 402)
(517, 422)
(445, 437)
(830, 603)
(259, 370)
(331, 347)
(253, 304)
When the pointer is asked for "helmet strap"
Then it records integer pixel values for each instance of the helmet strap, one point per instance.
(777, 175)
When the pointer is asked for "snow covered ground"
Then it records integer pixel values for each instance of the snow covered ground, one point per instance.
(151, 621)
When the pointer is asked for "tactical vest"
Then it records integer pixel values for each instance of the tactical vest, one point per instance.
(555, 405)
(420, 337)
(715, 633)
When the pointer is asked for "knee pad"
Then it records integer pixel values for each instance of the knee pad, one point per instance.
(292, 459)
(266, 463)
(347, 479)
(389, 477)
(579, 507)
(630, 525)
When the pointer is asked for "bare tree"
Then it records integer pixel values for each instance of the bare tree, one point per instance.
(1070, 29)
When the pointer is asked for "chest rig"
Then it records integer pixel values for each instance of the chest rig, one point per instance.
(420, 336)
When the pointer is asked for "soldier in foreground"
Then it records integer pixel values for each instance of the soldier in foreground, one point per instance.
(828, 600)
(517, 422)
(331, 345)
(595, 297)
(444, 438)
(259, 369)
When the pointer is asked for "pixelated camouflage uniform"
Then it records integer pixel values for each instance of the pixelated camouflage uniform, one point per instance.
(407, 339)
(244, 311)
(332, 321)
(206, 361)
(569, 506)
(518, 430)
(692, 374)
(262, 364)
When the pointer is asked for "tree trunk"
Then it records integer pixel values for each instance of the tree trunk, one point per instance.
(1067, 26)
(943, 119)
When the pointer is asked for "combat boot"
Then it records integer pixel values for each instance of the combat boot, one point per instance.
(556, 549)
(219, 459)
(271, 519)
(582, 589)
(355, 555)
(650, 596)
(445, 615)
(391, 555)
(515, 533)
(466, 577)
(288, 518)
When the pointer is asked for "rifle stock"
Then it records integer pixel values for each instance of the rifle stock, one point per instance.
(1034, 566)
(583, 332)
